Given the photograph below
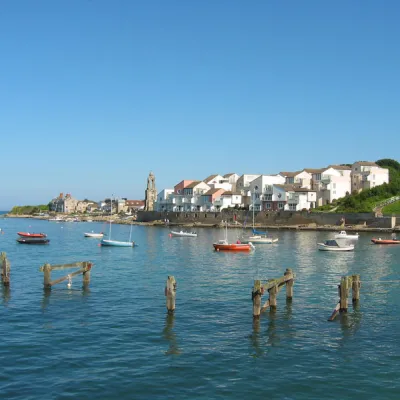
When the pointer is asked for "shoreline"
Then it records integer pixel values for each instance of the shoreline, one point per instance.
(158, 223)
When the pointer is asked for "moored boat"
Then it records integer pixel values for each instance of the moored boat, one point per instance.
(345, 235)
(385, 241)
(116, 243)
(223, 245)
(259, 239)
(94, 234)
(25, 240)
(333, 245)
(32, 235)
(183, 234)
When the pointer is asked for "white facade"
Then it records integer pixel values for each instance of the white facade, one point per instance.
(259, 186)
(298, 199)
(366, 175)
(232, 179)
(162, 202)
(243, 183)
(334, 184)
(228, 200)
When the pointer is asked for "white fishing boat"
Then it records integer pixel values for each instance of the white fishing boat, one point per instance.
(183, 234)
(345, 235)
(333, 245)
(94, 234)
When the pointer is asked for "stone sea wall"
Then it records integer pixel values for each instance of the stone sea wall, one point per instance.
(279, 218)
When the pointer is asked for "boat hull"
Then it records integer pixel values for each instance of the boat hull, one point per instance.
(232, 247)
(259, 240)
(116, 243)
(385, 241)
(324, 247)
(183, 234)
(33, 241)
(94, 235)
(32, 235)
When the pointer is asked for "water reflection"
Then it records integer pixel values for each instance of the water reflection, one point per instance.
(6, 294)
(255, 339)
(170, 336)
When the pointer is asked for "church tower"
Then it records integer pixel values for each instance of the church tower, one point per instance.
(151, 193)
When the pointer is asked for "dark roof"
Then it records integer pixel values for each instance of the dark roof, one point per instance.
(192, 185)
(211, 191)
(228, 175)
(367, 163)
(284, 187)
(298, 189)
(210, 178)
(289, 174)
(134, 202)
(314, 170)
(229, 193)
(342, 167)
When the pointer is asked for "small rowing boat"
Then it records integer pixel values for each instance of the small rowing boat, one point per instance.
(183, 234)
(94, 234)
(24, 240)
(385, 241)
(32, 235)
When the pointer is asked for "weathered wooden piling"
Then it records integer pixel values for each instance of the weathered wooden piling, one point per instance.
(256, 297)
(343, 292)
(272, 286)
(84, 269)
(5, 269)
(170, 293)
(356, 285)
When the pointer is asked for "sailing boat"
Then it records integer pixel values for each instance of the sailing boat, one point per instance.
(224, 245)
(259, 237)
(117, 243)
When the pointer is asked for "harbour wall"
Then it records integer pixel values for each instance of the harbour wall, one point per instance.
(271, 218)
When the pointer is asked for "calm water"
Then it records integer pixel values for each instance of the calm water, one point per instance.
(116, 341)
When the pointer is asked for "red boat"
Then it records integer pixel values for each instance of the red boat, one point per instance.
(223, 245)
(32, 235)
(385, 241)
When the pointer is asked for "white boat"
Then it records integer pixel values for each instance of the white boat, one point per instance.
(333, 245)
(345, 235)
(56, 219)
(258, 237)
(117, 243)
(94, 234)
(183, 234)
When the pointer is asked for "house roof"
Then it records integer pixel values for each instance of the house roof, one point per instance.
(193, 184)
(210, 178)
(211, 191)
(134, 202)
(289, 174)
(228, 175)
(230, 193)
(314, 170)
(367, 163)
(298, 189)
(285, 187)
(342, 167)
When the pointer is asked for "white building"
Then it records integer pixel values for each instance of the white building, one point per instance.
(164, 199)
(228, 199)
(218, 182)
(259, 186)
(366, 175)
(232, 179)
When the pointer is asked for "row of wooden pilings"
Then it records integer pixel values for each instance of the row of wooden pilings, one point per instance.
(273, 286)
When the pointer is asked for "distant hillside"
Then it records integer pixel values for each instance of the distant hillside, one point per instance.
(29, 210)
(368, 199)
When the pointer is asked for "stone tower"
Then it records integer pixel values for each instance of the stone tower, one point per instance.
(151, 193)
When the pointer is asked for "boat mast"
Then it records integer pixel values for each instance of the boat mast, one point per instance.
(109, 235)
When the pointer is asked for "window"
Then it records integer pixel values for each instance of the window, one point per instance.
(280, 206)
(268, 205)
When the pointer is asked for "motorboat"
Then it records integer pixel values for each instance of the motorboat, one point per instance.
(32, 235)
(24, 240)
(223, 245)
(345, 235)
(183, 234)
(385, 241)
(94, 234)
(333, 245)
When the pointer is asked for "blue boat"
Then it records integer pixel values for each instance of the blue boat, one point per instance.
(116, 243)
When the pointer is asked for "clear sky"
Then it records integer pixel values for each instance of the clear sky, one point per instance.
(96, 94)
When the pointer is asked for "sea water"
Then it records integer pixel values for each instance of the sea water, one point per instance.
(116, 341)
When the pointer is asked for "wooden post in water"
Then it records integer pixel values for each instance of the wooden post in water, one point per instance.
(355, 286)
(272, 297)
(170, 293)
(256, 297)
(86, 275)
(289, 284)
(47, 276)
(344, 293)
(5, 269)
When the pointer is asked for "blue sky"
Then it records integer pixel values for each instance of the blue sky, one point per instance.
(96, 94)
